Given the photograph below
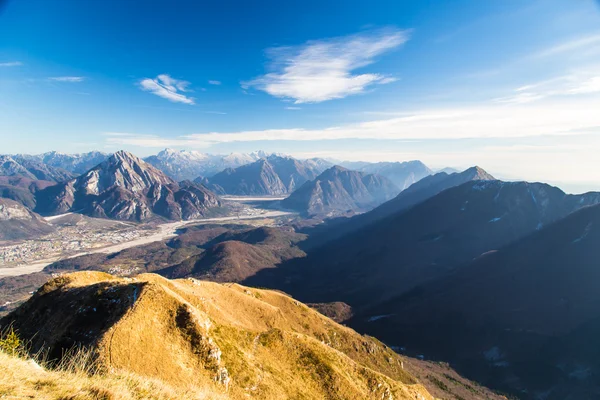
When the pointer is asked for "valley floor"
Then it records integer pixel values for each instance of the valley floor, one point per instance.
(103, 236)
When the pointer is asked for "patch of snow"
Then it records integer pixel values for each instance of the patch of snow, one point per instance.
(493, 354)
(586, 231)
(378, 317)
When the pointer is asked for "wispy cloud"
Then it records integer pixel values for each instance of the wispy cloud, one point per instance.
(70, 79)
(569, 46)
(11, 64)
(293, 108)
(322, 70)
(581, 82)
(495, 121)
(214, 82)
(168, 88)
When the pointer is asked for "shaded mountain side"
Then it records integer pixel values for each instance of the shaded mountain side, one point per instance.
(203, 334)
(401, 174)
(22, 190)
(340, 190)
(521, 317)
(336, 310)
(18, 222)
(413, 195)
(258, 178)
(239, 254)
(428, 241)
(125, 187)
(31, 168)
(273, 175)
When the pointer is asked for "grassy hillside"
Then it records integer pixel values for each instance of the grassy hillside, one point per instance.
(225, 339)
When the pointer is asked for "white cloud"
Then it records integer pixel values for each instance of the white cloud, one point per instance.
(71, 79)
(323, 69)
(293, 108)
(495, 121)
(11, 64)
(214, 82)
(166, 87)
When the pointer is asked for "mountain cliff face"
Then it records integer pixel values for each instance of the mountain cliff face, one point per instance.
(540, 290)
(402, 174)
(125, 187)
(31, 168)
(340, 190)
(17, 222)
(273, 175)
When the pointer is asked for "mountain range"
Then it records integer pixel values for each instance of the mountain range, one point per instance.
(190, 165)
(271, 176)
(31, 168)
(427, 241)
(127, 188)
(338, 190)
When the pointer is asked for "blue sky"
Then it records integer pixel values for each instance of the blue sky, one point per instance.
(513, 86)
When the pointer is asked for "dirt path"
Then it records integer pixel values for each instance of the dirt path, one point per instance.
(165, 231)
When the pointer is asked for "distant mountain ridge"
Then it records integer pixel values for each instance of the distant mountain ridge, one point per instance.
(273, 175)
(190, 165)
(413, 195)
(338, 189)
(32, 168)
(125, 187)
(401, 174)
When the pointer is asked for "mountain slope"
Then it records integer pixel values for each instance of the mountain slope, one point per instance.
(340, 190)
(540, 290)
(402, 174)
(415, 194)
(17, 222)
(125, 187)
(202, 334)
(21, 189)
(258, 178)
(427, 241)
(236, 255)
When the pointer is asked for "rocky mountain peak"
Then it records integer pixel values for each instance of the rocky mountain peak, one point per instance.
(479, 173)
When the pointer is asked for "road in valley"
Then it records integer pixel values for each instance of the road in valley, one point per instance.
(164, 231)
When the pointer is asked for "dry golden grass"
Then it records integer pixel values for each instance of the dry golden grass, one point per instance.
(24, 379)
(219, 339)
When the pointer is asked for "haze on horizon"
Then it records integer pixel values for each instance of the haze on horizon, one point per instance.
(511, 86)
